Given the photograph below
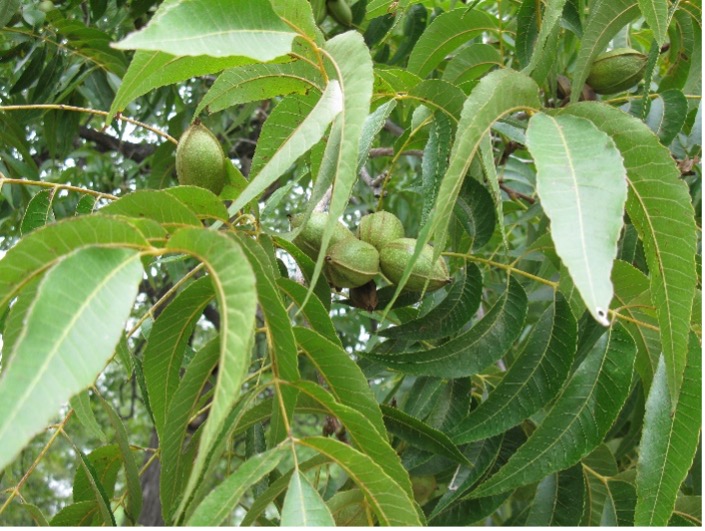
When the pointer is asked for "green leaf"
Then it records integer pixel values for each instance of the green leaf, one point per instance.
(559, 500)
(619, 509)
(149, 70)
(667, 114)
(578, 420)
(184, 404)
(451, 314)
(224, 498)
(81, 405)
(314, 311)
(260, 82)
(669, 235)
(218, 28)
(70, 332)
(132, 476)
(202, 202)
(363, 433)
(440, 96)
(15, 320)
(583, 188)
(469, 64)
(302, 138)
(499, 93)
(550, 20)
(44, 247)
(475, 208)
(421, 435)
(167, 342)
(36, 514)
(633, 298)
(76, 514)
(345, 380)
(7, 11)
(388, 500)
(105, 464)
(533, 380)
(303, 506)
(234, 285)
(607, 18)
(278, 487)
(38, 213)
(470, 352)
(298, 14)
(91, 45)
(446, 33)
(280, 337)
(669, 440)
(656, 14)
(482, 455)
(95, 490)
(159, 205)
(352, 66)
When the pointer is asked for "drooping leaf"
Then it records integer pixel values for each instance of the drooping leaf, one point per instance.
(167, 343)
(44, 247)
(219, 28)
(669, 235)
(451, 314)
(76, 514)
(669, 440)
(304, 136)
(473, 350)
(607, 17)
(578, 420)
(345, 380)
(470, 63)
(388, 500)
(533, 380)
(420, 434)
(499, 93)
(159, 205)
(153, 69)
(234, 286)
(105, 463)
(282, 345)
(667, 114)
(314, 311)
(96, 491)
(174, 461)
(475, 209)
(559, 499)
(352, 66)
(303, 506)
(550, 18)
(60, 353)
(81, 404)
(260, 82)
(656, 15)
(582, 184)
(133, 508)
(446, 33)
(38, 212)
(224, 498)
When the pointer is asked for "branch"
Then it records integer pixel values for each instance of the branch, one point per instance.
(105, 142)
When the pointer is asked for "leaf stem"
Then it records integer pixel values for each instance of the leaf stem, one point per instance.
(55, 186)
(62, 107)
(506, 267)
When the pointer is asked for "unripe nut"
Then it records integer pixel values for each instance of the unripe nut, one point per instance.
(425, 274)
(616, 70)
(200, 160)
(352, 263)
(380, 228)
(310, 237)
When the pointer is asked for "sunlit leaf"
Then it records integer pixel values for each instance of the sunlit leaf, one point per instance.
(59, 354)
(219, 28)
(582, 184)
